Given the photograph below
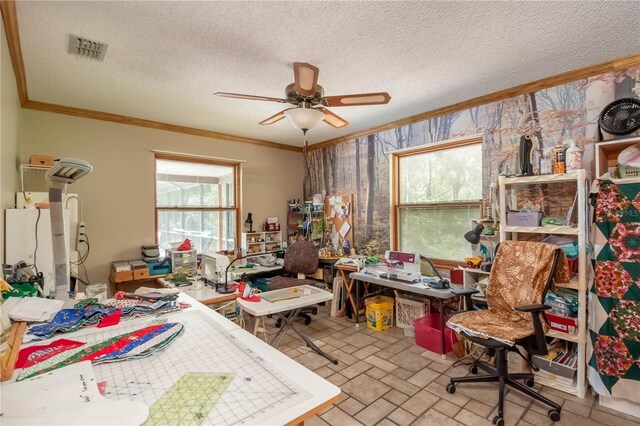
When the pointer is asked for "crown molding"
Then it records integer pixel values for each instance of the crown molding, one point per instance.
(10, 20)
(523, 89)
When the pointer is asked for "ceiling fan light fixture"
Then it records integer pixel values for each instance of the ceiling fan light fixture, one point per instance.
(304, 118)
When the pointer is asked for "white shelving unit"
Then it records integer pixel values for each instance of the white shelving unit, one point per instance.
(470, 279)
(579, 282)
(261, 242)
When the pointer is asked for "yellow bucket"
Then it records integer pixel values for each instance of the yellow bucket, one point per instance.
(379, 312)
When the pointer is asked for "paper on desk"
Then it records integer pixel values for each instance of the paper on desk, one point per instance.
(32, 309)
(332, 201)
(344, 229)
(333, 213)
(68, 396)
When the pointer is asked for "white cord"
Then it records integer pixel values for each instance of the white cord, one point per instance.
(80, 209)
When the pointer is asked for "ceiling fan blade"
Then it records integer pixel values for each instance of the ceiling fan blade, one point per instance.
(332, 119)
(357, 99)
(250, 97)
(305, 78)
(273, 119)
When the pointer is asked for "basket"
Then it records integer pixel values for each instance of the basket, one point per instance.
(628, 171)
(409, 308)
(379, 312)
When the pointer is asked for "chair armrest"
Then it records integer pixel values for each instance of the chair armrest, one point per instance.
(533, 308)
(540, 343)
(467, 293)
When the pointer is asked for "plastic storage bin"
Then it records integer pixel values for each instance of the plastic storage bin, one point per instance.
(429, 334)
(379, 312)
(524, 218)
(409, 308)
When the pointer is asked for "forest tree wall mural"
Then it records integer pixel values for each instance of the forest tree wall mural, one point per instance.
(361, 165)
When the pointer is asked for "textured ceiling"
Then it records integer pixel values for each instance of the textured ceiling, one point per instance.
(166, 59)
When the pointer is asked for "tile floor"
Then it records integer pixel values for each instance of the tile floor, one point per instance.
(386, 379)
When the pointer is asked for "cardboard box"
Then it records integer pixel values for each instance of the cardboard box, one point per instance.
(524, 219)
(562, 324)
(41, 160)
(141, 273)
(121, 276)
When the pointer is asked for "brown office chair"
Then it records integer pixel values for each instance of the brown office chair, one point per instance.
(522, 273)
(301, 257)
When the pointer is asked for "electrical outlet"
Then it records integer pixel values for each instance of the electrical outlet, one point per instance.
(80, 237)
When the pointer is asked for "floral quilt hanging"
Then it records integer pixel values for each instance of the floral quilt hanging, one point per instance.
(613, 352)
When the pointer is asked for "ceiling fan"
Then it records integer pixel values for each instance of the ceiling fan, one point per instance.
(309, 100)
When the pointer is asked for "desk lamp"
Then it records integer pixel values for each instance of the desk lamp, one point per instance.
(249, 221)
(475, 234)
(66, 170)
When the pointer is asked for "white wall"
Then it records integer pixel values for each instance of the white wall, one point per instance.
(118, 196)
(10, 125)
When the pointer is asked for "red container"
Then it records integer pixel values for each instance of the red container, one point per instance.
(429, 334)
(456, 276)
(562, 324)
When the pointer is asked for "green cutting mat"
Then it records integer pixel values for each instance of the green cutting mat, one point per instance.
(190, 400)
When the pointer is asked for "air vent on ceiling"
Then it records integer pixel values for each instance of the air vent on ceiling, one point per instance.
(84, 47)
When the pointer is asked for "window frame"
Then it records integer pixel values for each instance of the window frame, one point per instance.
(237, 180)
(395, 206)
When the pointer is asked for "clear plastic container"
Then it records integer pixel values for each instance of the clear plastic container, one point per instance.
(98, 291)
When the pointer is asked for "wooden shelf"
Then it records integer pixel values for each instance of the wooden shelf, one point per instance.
(573, 284)
(560, 230)
(563, 336)
(537, 179)
(573, 390)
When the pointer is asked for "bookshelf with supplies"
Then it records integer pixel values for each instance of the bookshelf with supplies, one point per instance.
(565, 366)
(261, 242)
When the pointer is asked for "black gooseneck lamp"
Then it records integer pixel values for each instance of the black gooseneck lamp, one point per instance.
(474, 236)
(249, 221)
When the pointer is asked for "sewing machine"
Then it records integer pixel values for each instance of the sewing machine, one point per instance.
(212, 267)
(407, 265)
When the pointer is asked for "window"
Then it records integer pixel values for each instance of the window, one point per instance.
(437, 192)
(197, 199)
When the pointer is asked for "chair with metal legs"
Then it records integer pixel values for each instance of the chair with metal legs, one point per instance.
(522, 273)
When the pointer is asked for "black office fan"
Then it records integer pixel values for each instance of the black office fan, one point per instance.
(620, 117)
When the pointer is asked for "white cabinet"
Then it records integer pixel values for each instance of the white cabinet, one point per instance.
(579, 282)
(261, 242)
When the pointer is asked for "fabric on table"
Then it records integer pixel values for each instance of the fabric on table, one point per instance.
(518, 277)
(613, 350)
(136, 344)
(111, 319)
(38, 353)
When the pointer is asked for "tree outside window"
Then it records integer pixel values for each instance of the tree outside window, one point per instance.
(438, 193)
(196, 199)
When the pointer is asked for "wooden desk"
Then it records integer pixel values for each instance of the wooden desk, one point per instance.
(351, 287)
(317, 393)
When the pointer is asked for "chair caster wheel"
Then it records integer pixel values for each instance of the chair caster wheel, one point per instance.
(554, 415)
(473, 369)
(335, 362)
(314, 311)
(451, 388)
(307, 321)
(529, 382)
(278, 324)
(498, 421)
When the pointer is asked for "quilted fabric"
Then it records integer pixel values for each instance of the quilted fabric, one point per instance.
(518, 277)
(613, 350)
